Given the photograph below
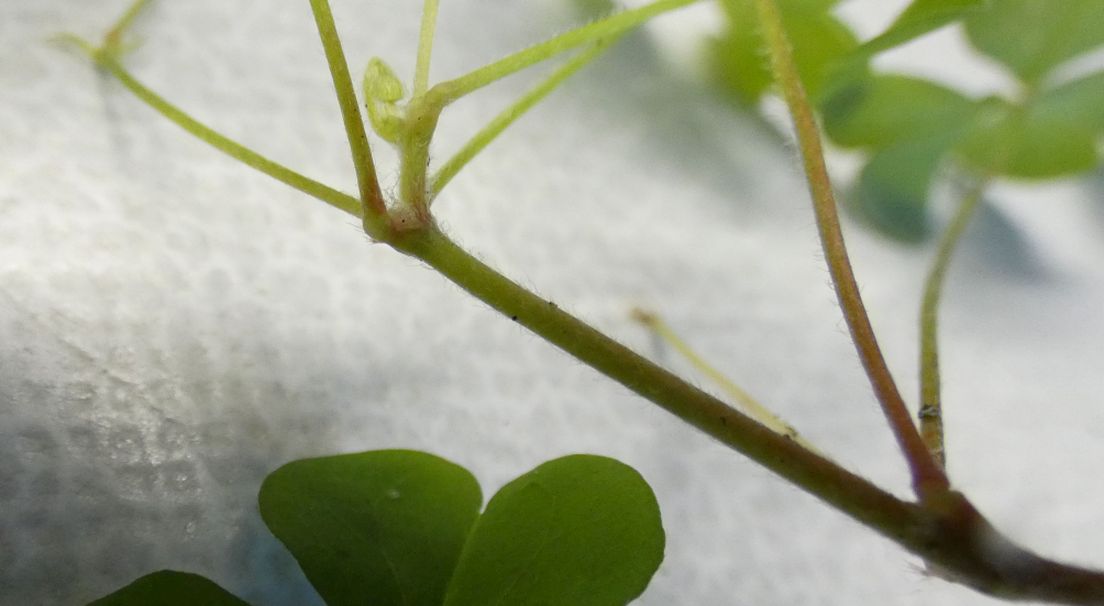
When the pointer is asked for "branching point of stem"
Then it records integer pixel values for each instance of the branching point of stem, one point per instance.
(944, 529)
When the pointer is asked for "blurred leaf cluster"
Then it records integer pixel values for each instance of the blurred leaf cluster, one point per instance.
(404, 528)
(909, 128)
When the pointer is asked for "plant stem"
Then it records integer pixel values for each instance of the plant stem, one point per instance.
(931, 406)
(927, 477)
(944, 529)
(421, 122)
(494, 128)
(611, 26)
(375, 209)
(818, 475)
(422, 114)
(425, 47)
(333, 197)
(956, 541)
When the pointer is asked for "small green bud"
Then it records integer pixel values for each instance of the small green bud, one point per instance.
(382, 91)
(380, 82)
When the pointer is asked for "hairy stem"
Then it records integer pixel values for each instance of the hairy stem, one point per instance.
(931, 405)
(955, 540)
(945, 530)
(927, 477)
(818, 475)
(421, 122)
(375, 209)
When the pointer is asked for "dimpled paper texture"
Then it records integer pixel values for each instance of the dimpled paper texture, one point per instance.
(174, 326)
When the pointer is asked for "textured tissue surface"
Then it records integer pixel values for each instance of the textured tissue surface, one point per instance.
(173, 327)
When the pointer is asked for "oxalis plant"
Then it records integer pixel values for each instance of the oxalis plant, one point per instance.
(372, 527)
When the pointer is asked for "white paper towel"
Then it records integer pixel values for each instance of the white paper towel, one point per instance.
(174, 326)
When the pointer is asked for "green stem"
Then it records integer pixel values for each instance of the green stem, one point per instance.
(421, 122)
(927, 477)
(611, 26)
(333, 197)
(375, 209)
(424, 110)
(946, 530)
(846, 491)
(931, 405)
(508, 116)
(425, 47)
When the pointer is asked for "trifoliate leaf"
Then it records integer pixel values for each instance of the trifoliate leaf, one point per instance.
(382, 528)
(170, 588)
(881, 110)
(921, 17)
(382, 92)
(582, 530)
(1032, 37)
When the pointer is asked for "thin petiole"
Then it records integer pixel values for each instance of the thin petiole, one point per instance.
(931, 405)
(106, 57)
(928, 478)
(494, 128)
(375, 209)
(333, 197)
(745, 401)
(425, 47)
(611, 26)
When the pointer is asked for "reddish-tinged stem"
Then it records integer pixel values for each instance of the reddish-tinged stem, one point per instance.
(927, 477)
